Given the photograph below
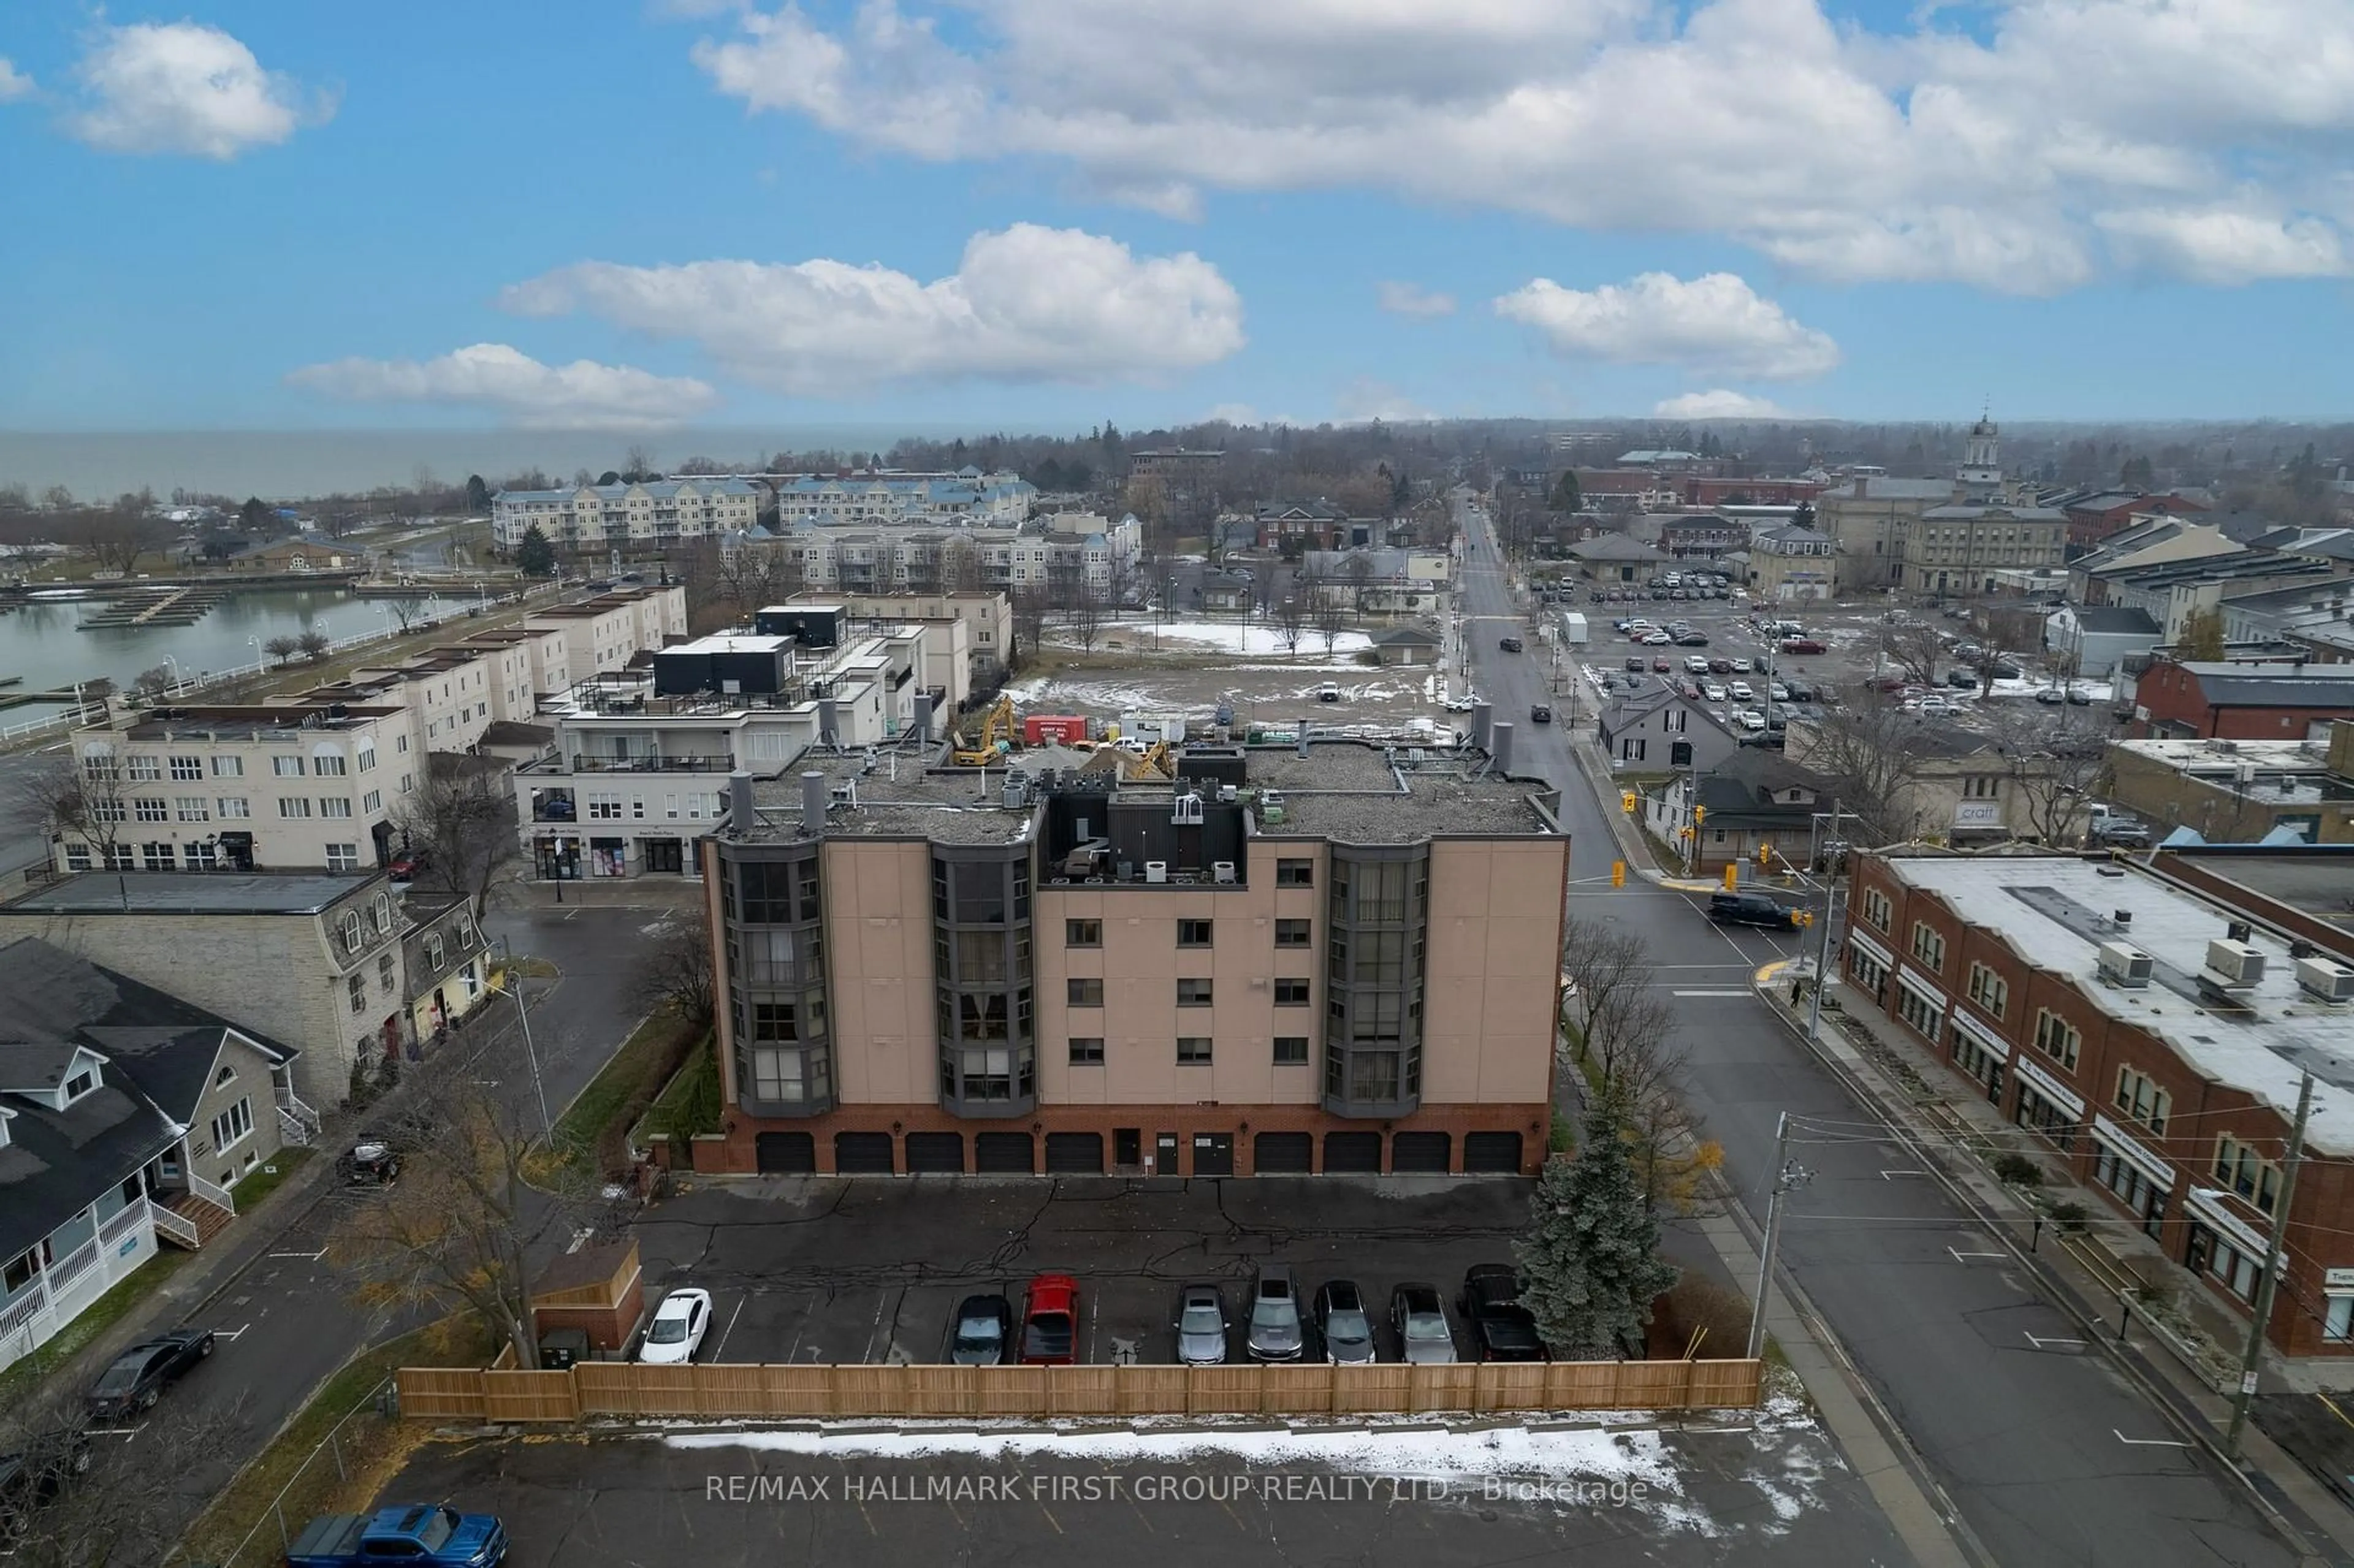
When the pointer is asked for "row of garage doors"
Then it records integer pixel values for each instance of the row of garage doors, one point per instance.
(1082, 1153)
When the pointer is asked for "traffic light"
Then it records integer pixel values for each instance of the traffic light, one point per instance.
(1764, 854)
(1618, 873)
(1627, 801)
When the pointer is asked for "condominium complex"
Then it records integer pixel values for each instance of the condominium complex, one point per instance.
(1069, 548)
(1322, 958)
(968, 497)
(2146, 1028)
(620, 516)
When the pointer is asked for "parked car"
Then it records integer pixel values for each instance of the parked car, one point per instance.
(1657, 639)
(35, 1475)
(1741, 666)
(1714, 690)
(1750, 909)
(1961, 681)
(1749, 719)
(1050, 1321)
(1419, 1316)
(1777, 692)
(1720, 666)
(1662, 666)
(1503, 1329)
(1802, 645)
(405, 865)
(1343, 1324)
(1329, 692)
(1741, 692)
(1692, 639)
(1800, 691)
(1634, 661)
(1275, 1331)
(426, 1534)
(1462, 705)
(2079, 696)
(1509, 644)
(1689, 691)
(2052, 696)
(983, 1335)
(2004, 669)
(1201, 1324)
(1540, 714)
(137, 1378)
(372, 1163)
(677, 1330)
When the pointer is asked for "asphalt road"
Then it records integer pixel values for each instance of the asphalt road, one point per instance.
(2049, 1457)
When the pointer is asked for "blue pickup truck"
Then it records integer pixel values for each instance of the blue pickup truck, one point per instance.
(421, 1533)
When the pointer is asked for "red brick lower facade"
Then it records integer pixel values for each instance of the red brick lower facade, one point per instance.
(1135, 1140)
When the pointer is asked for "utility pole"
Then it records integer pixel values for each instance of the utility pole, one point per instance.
(1786, 1179)
(1832, 857)
(2249, 1361)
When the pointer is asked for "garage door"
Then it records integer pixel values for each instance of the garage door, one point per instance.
(1075, 1153)
(1003, 1153)
(935, 1151)
(1283, 1153)
(1353, 1151)
(785, 1153)
(863, 1154)
(1491, 1151)
(1420, 1152)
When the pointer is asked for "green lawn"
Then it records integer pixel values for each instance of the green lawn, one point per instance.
(24, 1380)
(691, 1104)
(591, 1136)
(267, 1179)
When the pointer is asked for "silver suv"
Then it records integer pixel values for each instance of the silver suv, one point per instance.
(1275, 1334)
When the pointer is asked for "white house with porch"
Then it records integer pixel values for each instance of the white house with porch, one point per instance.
(127, 1119)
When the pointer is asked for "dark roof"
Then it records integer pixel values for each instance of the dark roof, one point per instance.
(1614, 547)
(2113, 620)
(514, 732)
(192, 893)
(1397, 634)
(592, 1264)
(2253, 686)
(57, 1162)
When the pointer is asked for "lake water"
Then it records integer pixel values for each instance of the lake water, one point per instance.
(40, 642)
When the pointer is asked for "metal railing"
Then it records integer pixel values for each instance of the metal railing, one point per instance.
(717, 762)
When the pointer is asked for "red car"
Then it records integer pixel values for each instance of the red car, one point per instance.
(1050, 1321)
(1662, 666)
(1802, 645)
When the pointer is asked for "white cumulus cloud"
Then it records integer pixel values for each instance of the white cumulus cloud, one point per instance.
(14, 83)
(583, 395)
(1026, 303)
(1413, 299)
(1916, 151)
(183, 86)
(1718, 403)
(1715, 321)
(2226, 245)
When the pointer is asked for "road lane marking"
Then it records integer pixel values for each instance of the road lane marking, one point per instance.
(2148, 1442)
(1708, 993)
(1892, 1175)
(2039, 1344)
(1964, 1256)
(231, 1333)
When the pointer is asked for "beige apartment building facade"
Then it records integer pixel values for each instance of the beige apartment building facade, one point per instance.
(1283, 962)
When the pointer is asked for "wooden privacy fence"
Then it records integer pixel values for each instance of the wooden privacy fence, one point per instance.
(748, 1391)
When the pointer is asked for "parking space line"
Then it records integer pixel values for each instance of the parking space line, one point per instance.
(722, 1349)
(1050, 1520)
(1960, 1256)
(872, 1330)
(231, 1333)
(2148, 1442)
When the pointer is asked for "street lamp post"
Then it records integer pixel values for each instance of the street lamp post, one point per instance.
(177, 679)
(531, 1054)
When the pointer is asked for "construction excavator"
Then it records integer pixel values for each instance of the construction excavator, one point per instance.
(997, 733)
(1151, 766)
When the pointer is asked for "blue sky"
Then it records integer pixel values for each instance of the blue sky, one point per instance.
(272, 214)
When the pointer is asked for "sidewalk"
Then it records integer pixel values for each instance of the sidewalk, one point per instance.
(2184, 1364)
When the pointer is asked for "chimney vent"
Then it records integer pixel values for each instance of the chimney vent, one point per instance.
(741, 817)
(815, 798)
(1501, 748)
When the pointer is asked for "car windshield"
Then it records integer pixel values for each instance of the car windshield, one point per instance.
(1201, 1318)
(1049, 1334)
(667, 1330)
(1274, 1312)
(1348, 1329)
(977, 1334)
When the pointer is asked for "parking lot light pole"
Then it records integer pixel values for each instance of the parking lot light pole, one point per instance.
(1832, 857)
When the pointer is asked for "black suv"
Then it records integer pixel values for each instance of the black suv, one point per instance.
(1503, 1329)
(1750, 909)
(1540, 715)
(1509, 644)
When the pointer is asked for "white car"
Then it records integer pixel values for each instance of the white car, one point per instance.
(1778, 691)
(1741, 666)
(1713, 690)
(679, 1325)
(1463, 705)
(1935, 707)
(1749, 719)
(1741, 691)
(1656, 639)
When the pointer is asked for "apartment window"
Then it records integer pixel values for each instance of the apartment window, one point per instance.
(1295, 874)
(1084, 992)
(151, 809)
(1291, 933)
(1928, 947)
(1291, 993)
(187, 768)
(334, 805)
(2057, 1039)
(358, 987)
(191, 808)
(1877, 911)
(328, 765)
(1083, 933)
(605, 807)
(400, 745)
(384, 972)
(2140, 1098)
(77, 857)
(343, 857)
(146, 769)
(233, 1126)
(2247, 1172)
(156, 857)
(228, 767)
(1193, 1050)
(107, 811)
(372, 803)
(286, 766)
(1192, 993)
(434, 952)
(1988, 989)
(1086, 1050)
(1291, 1050)
(367, 757)
(295, 806)
(232, 805)
(1193, 933)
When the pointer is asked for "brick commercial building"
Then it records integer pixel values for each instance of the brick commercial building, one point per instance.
(1316, 960)
(2149, 1038)
(2273, 700)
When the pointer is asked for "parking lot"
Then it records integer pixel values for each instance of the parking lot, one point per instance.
(824, 1270)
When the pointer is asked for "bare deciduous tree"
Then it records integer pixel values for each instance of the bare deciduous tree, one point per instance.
(1624, 1047)
(1869, 748)
(675, 971)
(88, 1498)
(2056, 760)
(1291, 617)
(464, 822)
(117, 540)
(85, 799)
(1911, 649)
(1029, 620)
(1327, 612)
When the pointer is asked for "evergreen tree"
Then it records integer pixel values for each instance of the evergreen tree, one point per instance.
(1565, 496)
(1591, 1268)
(534, 556)
(478, 494)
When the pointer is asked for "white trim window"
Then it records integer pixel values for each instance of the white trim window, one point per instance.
(233, 1126)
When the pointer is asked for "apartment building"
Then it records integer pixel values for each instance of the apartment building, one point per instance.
(886, 561)
(605, 631)
(1320, 958)
(988, 618)
(654, 514)
(1793, 563)
(641, 760)
(2253, 700)
(241, 787)
(2148, 1037)
(310, 961)
(967, 497)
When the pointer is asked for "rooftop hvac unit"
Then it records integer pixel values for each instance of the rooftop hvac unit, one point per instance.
(2235, 966)
(2325, 980)
(2123, 964)
(1156, 871)
(1186, 810)
(1222, 870)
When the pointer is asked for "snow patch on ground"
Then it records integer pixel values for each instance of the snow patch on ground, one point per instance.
(1235, 637)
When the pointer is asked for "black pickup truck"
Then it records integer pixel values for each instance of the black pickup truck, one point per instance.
(1490, 1306)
